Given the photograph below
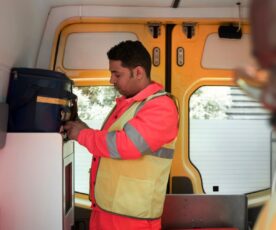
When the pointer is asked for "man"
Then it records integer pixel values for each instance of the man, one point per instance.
(132, 153)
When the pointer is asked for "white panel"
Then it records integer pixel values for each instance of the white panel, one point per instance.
(56, 16)
(31, 182)
(21, 27)
(164, 12)
(212, 3)
(88, 50)
(222, 53)
(234, 155)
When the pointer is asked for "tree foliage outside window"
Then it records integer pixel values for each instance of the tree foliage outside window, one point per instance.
(95, 101)
(210, 103)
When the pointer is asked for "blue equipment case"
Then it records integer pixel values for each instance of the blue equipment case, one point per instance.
(39, 100)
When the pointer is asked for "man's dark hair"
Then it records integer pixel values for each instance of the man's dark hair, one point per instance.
(131, 54)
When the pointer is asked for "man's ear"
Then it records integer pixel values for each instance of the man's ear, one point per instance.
(139, 72)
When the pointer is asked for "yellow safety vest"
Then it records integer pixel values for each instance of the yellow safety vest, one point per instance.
(133, 188)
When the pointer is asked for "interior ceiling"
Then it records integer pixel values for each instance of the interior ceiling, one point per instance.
(169, 3)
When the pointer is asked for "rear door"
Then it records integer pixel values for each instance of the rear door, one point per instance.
(225, 139)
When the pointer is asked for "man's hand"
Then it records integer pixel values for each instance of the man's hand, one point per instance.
(73, 128)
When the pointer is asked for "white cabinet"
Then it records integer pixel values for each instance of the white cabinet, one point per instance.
(34, 182)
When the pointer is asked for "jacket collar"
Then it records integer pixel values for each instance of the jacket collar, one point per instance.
(142, 95)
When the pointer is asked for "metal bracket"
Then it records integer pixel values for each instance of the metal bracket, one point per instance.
(155, 29)
(189, 29)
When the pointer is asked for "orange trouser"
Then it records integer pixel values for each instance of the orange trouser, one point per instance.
(101, 220)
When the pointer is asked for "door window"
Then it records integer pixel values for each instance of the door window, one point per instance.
(230, 140)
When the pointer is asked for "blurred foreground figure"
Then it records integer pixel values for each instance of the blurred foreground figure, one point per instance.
(261, 83)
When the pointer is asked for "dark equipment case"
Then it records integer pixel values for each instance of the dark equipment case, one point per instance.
(39, 100)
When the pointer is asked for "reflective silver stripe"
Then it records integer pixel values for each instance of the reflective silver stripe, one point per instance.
(136, 138)
(111, 144)
(164, 153)
(159, 93)
(143, 147)
(139, 107)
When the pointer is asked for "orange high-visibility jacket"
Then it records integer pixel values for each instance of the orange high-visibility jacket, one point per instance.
(156, 124)
(134, 188)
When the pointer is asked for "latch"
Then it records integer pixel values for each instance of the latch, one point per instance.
(155, 29)
(189, 29)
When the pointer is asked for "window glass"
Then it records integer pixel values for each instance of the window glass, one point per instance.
(94, 104)
(230, 140)
(88, 50)
(221, 53)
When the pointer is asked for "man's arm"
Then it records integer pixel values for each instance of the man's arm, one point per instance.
(154, 125)
(73, 128)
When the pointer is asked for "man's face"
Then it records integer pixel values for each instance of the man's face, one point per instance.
(123, 79)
